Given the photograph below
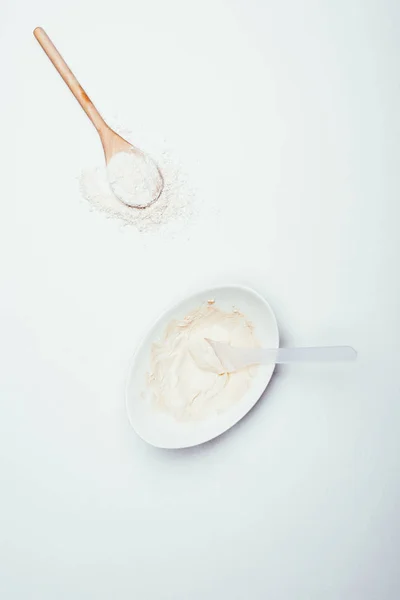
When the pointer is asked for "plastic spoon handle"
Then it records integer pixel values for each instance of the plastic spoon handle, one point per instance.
(322, 354)
(233, 359)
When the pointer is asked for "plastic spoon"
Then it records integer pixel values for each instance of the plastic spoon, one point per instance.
(113, 143)
(234, 359)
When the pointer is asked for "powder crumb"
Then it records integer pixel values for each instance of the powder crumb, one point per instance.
(174, 207)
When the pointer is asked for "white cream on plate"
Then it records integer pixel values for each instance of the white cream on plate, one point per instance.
(186, 378)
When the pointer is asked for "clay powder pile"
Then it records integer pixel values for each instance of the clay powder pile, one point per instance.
(173, 206)
(186, 378)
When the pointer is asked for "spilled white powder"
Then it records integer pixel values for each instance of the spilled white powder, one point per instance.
(172, 210)
(135, 178)
(186, 378)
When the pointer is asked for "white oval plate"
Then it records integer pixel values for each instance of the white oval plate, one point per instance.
(163, 430)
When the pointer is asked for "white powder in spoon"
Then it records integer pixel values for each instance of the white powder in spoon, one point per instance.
(171, 211)
(135, 178)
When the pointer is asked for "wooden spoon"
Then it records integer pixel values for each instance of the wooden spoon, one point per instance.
(111, 141)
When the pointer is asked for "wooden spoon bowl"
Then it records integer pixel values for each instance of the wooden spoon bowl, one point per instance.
(111, 141)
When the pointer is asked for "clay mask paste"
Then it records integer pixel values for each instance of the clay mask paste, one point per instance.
(186, 378)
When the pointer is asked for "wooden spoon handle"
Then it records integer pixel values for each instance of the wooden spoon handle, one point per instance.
(70, 79)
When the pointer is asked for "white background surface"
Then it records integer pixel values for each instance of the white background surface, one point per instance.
(285, 116)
